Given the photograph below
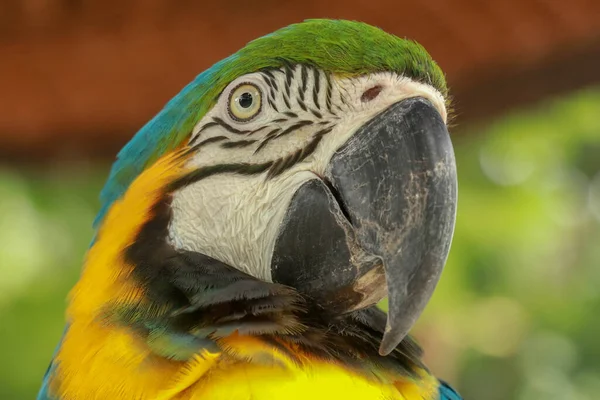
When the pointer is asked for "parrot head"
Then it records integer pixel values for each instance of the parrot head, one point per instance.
(316, 157)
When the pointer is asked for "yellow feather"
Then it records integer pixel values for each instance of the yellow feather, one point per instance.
(97, 360)
(100, 360)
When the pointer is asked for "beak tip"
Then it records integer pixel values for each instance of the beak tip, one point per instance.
(395, 332)
(385, 348)
(389, 341)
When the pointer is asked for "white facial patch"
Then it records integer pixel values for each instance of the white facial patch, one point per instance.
(304, 118)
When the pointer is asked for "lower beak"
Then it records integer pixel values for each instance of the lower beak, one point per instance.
(383, 218)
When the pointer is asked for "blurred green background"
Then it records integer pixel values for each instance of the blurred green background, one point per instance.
(515, 315)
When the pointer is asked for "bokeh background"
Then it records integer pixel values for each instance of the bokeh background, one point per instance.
(517, 312)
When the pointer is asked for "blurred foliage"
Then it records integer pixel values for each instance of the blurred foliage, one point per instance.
(514, 316)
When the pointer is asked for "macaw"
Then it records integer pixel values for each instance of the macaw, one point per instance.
(249, 229)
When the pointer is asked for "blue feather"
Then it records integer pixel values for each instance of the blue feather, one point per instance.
(163, 133)
(44, 392)
(447, 393)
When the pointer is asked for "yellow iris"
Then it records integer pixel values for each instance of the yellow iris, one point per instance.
(245, 102)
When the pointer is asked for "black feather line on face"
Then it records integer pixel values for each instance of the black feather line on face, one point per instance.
(272, 95)
(202, 300)
(316, 113)
(272, 86)
(286, 100)
(301, 104)
(342, 99)
(202, 128)
(275, 87)
(299, 155)
(270, 136)
(206, 126)
(229, 128)
(204, 172)
(317, 88)
(214, 139)
(238, 143)
(193, 295)
(257, 130)
(289, 75)
(268, 73)
(295, 127)
(328, 94)
(197, 300)
(273, 106)
(303, 81)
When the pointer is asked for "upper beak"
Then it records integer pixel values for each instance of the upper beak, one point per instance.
(385, 212)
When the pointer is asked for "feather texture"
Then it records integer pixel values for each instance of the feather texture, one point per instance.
(147, 320)
(139, 328)
(335, 46)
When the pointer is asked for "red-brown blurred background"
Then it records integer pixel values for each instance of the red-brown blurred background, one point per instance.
(515, 313)
(82, 76)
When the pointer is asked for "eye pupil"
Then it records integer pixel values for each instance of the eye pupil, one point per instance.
(246, 100)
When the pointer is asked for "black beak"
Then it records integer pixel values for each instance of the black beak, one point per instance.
(384, 213)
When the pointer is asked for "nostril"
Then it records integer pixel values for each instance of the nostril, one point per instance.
(371, 93)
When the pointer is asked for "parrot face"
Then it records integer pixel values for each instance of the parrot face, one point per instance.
(252, 223)
(322, 183)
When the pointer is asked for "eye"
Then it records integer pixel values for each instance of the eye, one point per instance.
(245, 102)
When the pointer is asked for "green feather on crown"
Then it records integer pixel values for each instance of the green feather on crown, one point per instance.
(338, 47)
